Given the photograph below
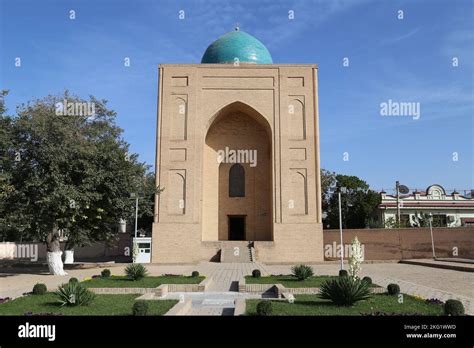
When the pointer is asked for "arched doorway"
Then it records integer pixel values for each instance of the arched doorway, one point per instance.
(237, 180)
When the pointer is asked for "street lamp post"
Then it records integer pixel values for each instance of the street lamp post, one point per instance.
(339, 189)
(134, 195)
(136, 216)
(397, 185)
(340, 229)
(432, 239)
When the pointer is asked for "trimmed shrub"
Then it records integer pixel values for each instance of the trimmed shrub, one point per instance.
(393, 289)
(73, 280)
(105, 273)
(140, 308)
(39, 289)
(74, 294)
(136, 271)
(302, 272)
(344, 291)
(368, 280)
(256, 273)
(343, 273)
(453, 307)
(264, 308)
(195, 274)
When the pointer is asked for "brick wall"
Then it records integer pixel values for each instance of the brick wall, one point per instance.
(405, 243)
(93, 251)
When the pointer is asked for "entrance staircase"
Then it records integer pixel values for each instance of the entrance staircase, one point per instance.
(237, 252)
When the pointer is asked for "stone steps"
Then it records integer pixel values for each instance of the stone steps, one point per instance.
(237, 252)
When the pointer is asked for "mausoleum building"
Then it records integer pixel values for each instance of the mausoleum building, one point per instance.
(238, 158)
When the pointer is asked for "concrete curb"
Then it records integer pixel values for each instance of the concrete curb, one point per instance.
(159, 291)
(181, 308)
(279, 290)
(240, 307)
(439, 265)
(121, 291)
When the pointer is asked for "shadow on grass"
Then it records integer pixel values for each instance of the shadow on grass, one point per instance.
(56, 305)
(117, 279)
(321, 303)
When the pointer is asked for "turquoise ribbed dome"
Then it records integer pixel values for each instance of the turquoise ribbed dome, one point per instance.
(237, 44)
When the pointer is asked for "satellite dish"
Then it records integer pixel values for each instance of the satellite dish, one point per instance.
(403, 189)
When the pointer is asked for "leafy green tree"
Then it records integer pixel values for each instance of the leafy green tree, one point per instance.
(5, 141)
(328, 180)
(359, 204)
(69, 172)
(146, 203)
(5, 163)
(392, 222)
(421, 219)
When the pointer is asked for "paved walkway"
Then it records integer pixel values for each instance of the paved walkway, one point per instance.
(15, 282)
(413, 279)
(225, 275)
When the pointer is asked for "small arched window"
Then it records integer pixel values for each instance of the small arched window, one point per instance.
(236, 181)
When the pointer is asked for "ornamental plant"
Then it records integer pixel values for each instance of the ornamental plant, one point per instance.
(135, 252)
(74, 294)
(39, 289)
(453, 307)
(344, 291)
(302, 272)
(393, 289)
(136, 271)
(355, 259)
(140, 308)
(264, 308)
(343, 273)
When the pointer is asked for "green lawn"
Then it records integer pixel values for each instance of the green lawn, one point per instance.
(147, 282)
(312, 305)
(289, 281)
(101, 305)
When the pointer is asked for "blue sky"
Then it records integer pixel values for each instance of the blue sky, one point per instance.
(404, 60)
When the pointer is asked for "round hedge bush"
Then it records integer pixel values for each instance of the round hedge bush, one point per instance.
(343, 273)
(393, 289)
(195, 274)
(73, 280)
(140, 308)
(264, 308)
(105, 273)
(453, 307)
(39, 289)
(368, 280)
(256, 273)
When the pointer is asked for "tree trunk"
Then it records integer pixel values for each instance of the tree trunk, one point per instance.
(53, 256)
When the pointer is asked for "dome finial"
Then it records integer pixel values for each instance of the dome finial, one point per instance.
(237, 27)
